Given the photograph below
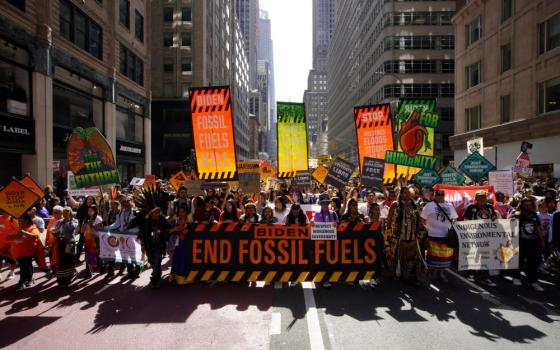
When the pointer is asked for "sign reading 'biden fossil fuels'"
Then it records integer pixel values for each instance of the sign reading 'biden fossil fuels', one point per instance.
(214, 142)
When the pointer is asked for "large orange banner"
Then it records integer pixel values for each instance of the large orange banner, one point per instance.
(214, 143)
(374, 135)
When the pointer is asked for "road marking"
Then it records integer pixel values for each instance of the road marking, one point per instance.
(313, 326)
(276, 323)
(434, 287)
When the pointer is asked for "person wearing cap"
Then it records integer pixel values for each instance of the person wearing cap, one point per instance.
(438, 217)
(325, 214)
(250, 216)
(481, 210)
(296, 216)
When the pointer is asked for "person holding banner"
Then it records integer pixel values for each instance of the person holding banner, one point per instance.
(230, 213)
(180, 228)
(92, 223)
(280, 209)
(123, 219)
(352, 215)
(64, 251)
(250, 216)
(438, 217)
(404, 221)
(296, 216)
(325, 214)
(531, 243)
(267, 216)
(209, 214)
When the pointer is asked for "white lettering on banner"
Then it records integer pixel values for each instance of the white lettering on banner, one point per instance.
(214, 140)
(206, 122)
(323, 231)
(210, 100)
(488, 245)
(130, 149)
(372, 116)
(120, 247)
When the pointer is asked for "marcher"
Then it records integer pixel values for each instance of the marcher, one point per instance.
(296, 216)
(325, 214)
(268, 216)
(250, 216)
(180, 229)
(280, 210)
(352, 215)
(155, 237)
(29, 236)
(66, 237)
(438, 217)
(92, 223)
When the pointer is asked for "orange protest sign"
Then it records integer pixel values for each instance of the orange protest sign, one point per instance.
(149, 181)
(320, 174)
(178, 180)
(266, 170)
(374, 133)
(32, 185)
(16, 198)
(214, 142)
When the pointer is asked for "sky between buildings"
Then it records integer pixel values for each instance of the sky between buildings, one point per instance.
(291, 23)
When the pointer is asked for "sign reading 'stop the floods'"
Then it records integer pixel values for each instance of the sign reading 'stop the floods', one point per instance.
(91, 159)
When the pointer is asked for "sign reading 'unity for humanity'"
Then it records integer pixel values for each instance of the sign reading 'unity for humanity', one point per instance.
(214, 141)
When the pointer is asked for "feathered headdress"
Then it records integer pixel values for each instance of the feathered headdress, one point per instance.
(150, 198)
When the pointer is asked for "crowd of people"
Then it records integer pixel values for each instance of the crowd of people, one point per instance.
(415, 222)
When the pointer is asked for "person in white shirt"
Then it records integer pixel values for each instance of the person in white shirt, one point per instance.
(438, 216)
(280, 210)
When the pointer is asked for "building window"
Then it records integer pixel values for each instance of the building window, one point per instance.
(131, 65)
(186, 65)
(186, 14)
(14, 80)
(549, 34)
(167, 39)
(185, 90)
(124, 12)
(168, 14)
(473, 31)
(472, 73)
(473, 118)
(549, 95)
(185, 39)
(507, 9)
(506, 57)
(79, 29)
(138, 26)
(168, 65)
(168, 90)
(505, 108)
(20, 4)
(129, 120)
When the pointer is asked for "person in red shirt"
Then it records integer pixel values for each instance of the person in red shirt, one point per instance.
(209, 214)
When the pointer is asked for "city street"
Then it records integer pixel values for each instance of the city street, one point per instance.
(101, 314)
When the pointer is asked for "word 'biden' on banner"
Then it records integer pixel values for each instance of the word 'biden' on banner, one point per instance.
(214, 142)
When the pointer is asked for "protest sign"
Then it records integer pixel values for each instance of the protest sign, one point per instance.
(502, 181)
(194, 187)
(214, 141)
(416, 122)
(292, 139)
(302, 178)
(324, 159)
(121, 247)
(249, 252)
(248, 166)
(149, 181)
(323, 230)
(28, 181)
(137, 181)
(74, 191)
(488, 245)
(372, 172)
(462, 196)
(250, 182)
(16, 198)
(266, 170)
(374, 135)
(450, 176)
(91, 159)
(523, 163)
(475, 145)
(178, 180)
(340, 173)
(476, 166)
(320, 174)
(427, 178)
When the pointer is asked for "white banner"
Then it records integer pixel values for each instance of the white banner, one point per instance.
(79, 192)
(323, 231)
(502, 181)
(120, 247)
(488, 245)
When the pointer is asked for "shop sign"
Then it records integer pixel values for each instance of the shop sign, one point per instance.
(130, 149)
(17, 133)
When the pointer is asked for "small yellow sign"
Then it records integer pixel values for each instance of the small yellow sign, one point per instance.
(320, 174)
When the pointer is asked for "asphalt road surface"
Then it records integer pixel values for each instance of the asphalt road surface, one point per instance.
(105, 313)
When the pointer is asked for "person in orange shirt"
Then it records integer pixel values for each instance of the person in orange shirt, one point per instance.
(24, 249)
(51, 238)
(8, 225)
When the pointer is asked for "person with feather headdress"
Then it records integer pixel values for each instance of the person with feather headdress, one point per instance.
(153, 228)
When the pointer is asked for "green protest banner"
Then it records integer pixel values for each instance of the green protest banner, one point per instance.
(427, 178)
(450, 176)
(476, 166)
(91, 159)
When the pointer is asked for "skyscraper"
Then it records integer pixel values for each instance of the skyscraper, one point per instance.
(265, 85)
(198, 44)
(315, 97)
(382, 51)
